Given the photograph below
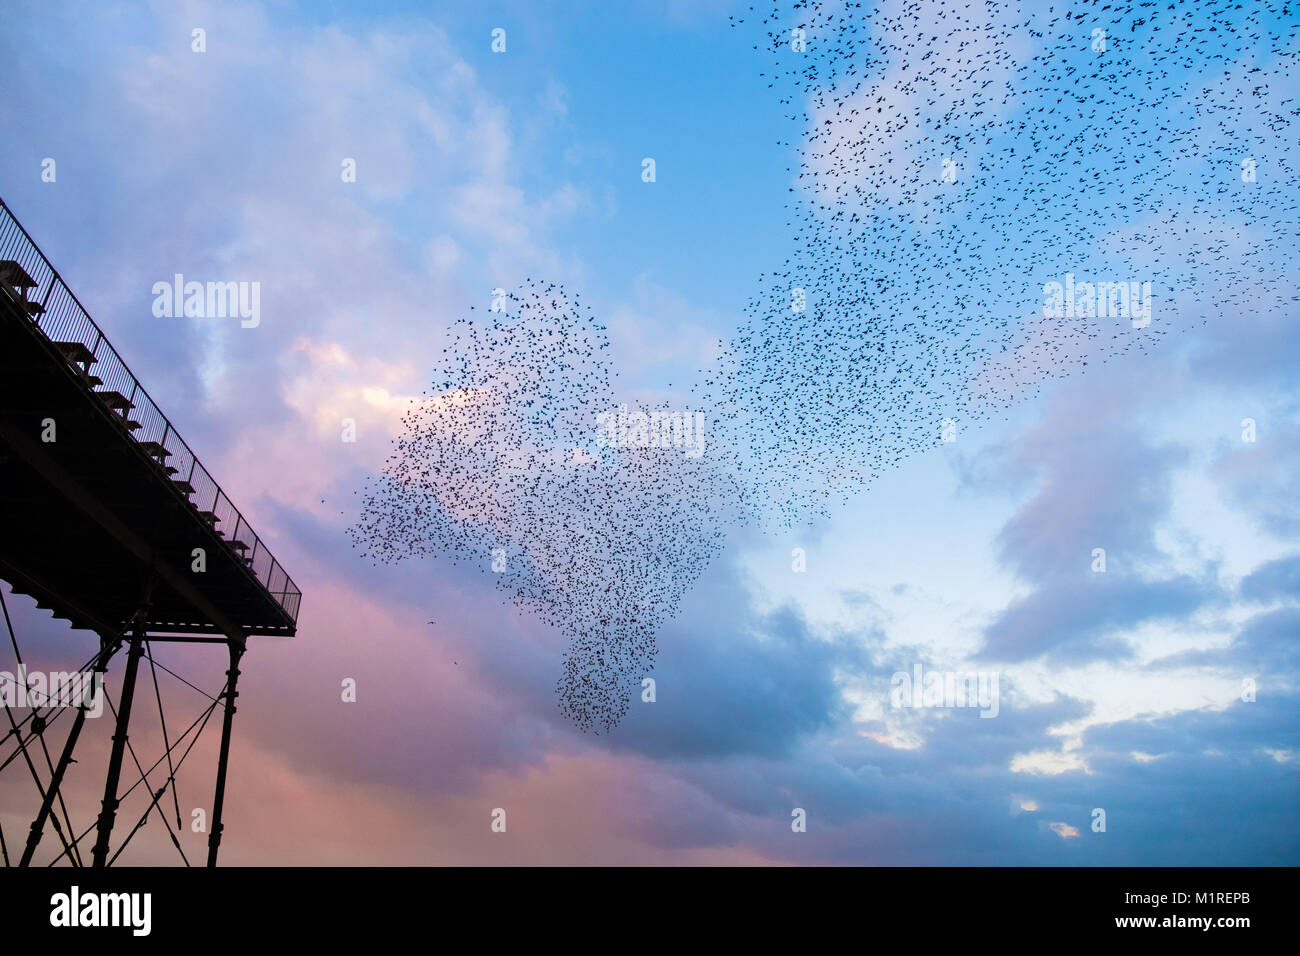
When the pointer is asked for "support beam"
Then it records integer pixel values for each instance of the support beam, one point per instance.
(232, 678)
(109, 811)
(107, 648)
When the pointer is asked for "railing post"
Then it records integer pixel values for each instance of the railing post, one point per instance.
(46, 301)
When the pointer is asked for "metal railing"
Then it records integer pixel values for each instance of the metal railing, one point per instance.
(62, 318)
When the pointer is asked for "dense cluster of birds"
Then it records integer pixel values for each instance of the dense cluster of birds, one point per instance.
(954, 159)
(501, 464)
(958, 157)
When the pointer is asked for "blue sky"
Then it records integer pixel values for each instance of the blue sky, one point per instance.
(1120, 690)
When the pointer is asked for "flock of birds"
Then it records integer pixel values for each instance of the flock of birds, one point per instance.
(954, 160)
(500, 464)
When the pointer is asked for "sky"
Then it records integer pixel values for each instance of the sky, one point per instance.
(1162, 690)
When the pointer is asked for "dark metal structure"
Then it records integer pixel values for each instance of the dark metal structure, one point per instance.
(108, 519)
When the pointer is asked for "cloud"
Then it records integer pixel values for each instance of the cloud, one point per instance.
(730, 682)
(1260, 477)
(1274, 580)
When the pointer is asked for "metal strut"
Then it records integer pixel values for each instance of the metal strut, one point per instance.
(108, 813)
(107, 648)
(232, 677)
